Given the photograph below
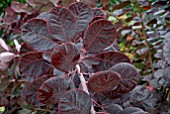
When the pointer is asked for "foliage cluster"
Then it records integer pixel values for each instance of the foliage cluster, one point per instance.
(64, 57)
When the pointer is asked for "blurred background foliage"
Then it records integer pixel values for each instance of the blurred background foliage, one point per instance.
(6, 3)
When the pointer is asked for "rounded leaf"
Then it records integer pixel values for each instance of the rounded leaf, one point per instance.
(83, 14)
(108, 59)
(53, 88)
(75, 102)
(129, 76)
(36, 35)
(65, 57)
(32, 64)
(131, 110)
(32, 88)
(62, 24)
(112, 94)
(99, 35)
(112, 108)
(104, 81)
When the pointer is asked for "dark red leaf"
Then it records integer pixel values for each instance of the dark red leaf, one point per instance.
(108, 59)
(130, 110)
(65, 57)
(25, 48)
(54, 88)
(36, 35)
(113, 94)
(98, 12)
(104, 81)
(112, 108)
(61, 24)
(32, 89)
(129, 76)
(97, 18)
(44, 16)
(99, 35)
(83, 14)
(75, 102)
(32, 64)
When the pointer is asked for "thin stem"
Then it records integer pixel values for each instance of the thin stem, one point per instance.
(144, 36)
(83, 82)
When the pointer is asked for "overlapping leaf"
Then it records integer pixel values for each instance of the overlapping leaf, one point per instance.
(83, 14)
(108, 59)
(65, 57)
(98, 36)
(129, 76)
(36, 35)
(104, 81)
(75, 102)
(32, 89)
(53, 88)
(32, 64)
(132, 110)
(62, 24)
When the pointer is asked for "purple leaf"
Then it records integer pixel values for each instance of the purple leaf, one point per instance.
(83, 14)
(98, 36)
(53, 88)
(65, 57)
(32, 64)
(112, 94)
(75, 102)
(108, 59)
(98, 12)
(36, 35)
(104, 81)
(32, 89)
(61, 24)
(129, 76)
(130, 110)
(112, 108)
(25, 48)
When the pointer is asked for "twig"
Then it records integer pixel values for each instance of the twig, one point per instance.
(83, 82)
(144, 36)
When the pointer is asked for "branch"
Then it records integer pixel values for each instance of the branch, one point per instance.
(83, 82)
(144, 36)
